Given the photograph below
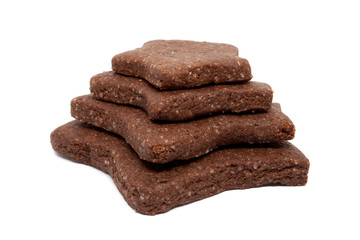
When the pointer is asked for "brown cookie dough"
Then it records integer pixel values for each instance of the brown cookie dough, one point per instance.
(161, 143)
(178, 105)
(174, 64)
(152, 188)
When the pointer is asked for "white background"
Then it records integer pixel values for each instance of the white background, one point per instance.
(307, 51)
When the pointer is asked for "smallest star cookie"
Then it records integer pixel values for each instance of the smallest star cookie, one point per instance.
(176, 64)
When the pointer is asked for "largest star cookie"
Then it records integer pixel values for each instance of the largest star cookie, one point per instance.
(174, 64)
(152, 188)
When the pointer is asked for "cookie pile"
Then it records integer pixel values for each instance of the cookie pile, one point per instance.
(179, 121)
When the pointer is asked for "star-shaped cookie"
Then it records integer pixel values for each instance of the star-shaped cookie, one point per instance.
(176, 64)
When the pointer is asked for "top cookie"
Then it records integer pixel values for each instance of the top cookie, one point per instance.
(175, 64)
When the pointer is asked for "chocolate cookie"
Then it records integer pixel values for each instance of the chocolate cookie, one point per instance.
(180, 105)
(151, 188)
(163, 143)
(178, 64)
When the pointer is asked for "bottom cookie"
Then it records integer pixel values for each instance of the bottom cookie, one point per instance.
(152, 188)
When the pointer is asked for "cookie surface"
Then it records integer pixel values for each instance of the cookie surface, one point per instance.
(178, 105)
(153, 188)
(165, 142)
(175, 64)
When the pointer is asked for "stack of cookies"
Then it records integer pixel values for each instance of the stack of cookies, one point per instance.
(179, 121)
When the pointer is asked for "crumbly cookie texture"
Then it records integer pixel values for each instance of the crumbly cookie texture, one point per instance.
(165, 142)
(179, 105)
(175, 64)
(153, 188)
